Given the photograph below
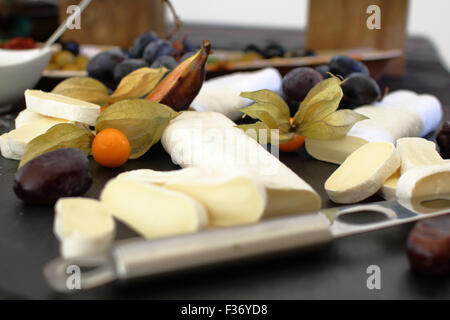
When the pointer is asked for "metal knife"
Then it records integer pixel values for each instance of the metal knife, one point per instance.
(141, 258)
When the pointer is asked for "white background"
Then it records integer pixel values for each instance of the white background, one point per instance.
(426, 17)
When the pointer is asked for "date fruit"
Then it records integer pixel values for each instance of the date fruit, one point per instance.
(53, 175)
(428, 246)
(443, 140)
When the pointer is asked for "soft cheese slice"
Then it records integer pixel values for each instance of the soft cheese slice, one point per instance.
(398, 115)
(151, 210)
(58, 106)
(83, 226)
(363, 173)
(416, 152)
(18, 138)
(427, 183)
(6, 150)
(210, 139)
(230, 197)
(27, 116)
(389, 188)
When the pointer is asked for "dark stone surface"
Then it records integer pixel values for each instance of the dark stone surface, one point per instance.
(27, 242)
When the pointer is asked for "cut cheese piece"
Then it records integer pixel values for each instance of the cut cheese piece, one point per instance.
(6, 150)
(416, 152)
(413, 152)
(222, 94)
(427, 183)
(363, 173)
(389, 188)
(396, 116)
(58, 106)
(210, 139)
(151, 210)
(18, 138)
(230, 197)
(83, 226)
(27, 116)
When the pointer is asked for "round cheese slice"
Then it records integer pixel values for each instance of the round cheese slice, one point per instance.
(363, 173)
(83, 226)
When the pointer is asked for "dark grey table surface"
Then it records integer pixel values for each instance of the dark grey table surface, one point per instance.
(337, 271)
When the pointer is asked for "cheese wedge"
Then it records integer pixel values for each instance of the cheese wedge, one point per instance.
(413, 152)
(231, 198)
(6, 150)
(362, 174)
(58, 106)
(403, 114)
(83, 226)
(209, 139)
(425, 182)
(18, 138)
(153, 211)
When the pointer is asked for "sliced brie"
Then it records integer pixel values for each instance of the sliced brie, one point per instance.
(427, 182)
(230, 197)
(18, 138)
(6, 150)
(210, 139)
(58, 106)
(363, 173)
(389, 188)
(151, 210)
(415, 152)
(83, 226)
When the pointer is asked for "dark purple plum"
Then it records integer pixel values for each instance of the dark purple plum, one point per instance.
(359, 90)
(273, 50)
(126, 67)
(443, 140)
(158, 48)
(168, 62)
(140, 43)
(71, 46)
(102, 65)
(324, 71)
(344, 66)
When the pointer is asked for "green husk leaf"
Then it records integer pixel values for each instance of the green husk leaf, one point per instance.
(83, 88)
(267, 96)
(142, 121)
(321, 101)
(63, 135)
(258, 129)
(272, 116)
(334, 126)
(138, 83)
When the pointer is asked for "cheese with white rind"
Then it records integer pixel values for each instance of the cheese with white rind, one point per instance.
(230, 197)
(83, 227)
(151, 210)
(415, 152)
(427, 183)
(222, 94)
(211, 139)
(398, 115)
(58, 106)
(362, 174)
(18, 138)
(6, 150)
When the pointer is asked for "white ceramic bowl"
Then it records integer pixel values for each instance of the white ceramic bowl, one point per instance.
(20, 70)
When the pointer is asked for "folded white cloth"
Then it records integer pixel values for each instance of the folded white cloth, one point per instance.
(221, 94)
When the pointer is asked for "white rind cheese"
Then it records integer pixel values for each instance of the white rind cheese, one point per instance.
(362, 174)
(222, 94)
(6, 150)
(151, 210)
(389, 188)
(399, 114)
(210, 139)
(83, 226)
(231, 198)
(416, 152)
(58, 106)
(428, 183)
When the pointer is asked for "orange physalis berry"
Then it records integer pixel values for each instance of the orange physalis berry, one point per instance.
(111, 148)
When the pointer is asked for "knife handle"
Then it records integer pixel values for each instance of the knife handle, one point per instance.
(151, 257)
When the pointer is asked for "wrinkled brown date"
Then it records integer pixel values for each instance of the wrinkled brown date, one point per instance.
(443, 140)
(428, 246)
(56, 174)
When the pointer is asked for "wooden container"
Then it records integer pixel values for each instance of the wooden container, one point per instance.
(342, 24)
(115, 22)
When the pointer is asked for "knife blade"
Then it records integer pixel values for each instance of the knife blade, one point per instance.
(141, 258)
